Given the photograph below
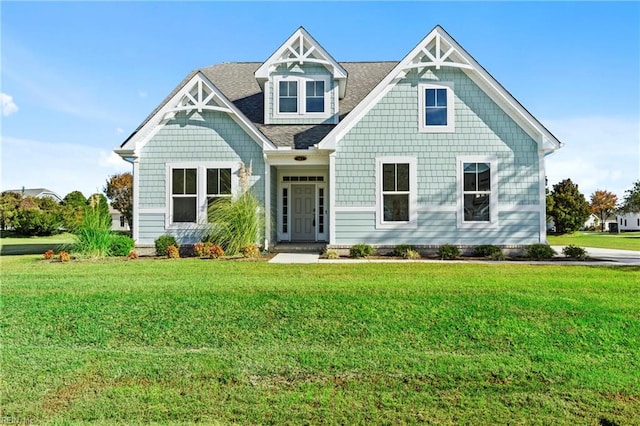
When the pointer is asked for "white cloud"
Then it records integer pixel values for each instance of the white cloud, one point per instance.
(119, 130)
(61, 167)
(8, 106)
(600, 153)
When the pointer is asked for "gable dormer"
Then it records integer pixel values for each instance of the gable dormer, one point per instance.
(302, 83)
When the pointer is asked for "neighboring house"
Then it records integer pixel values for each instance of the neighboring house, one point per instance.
(426, 151)
(629, 222)
(593, 222)
(118, 222)
(37, 192)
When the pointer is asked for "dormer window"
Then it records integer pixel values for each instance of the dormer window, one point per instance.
(436, 107)
(302, 96)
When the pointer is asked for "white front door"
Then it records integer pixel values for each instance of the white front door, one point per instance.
(304, 212)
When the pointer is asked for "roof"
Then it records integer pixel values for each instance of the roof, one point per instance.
(238, 83)
(36, 192)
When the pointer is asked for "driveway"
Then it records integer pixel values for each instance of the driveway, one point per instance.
(626, 257)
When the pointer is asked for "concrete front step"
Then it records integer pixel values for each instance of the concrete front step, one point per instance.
(316, 248)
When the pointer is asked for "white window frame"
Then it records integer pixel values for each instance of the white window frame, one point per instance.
(201, 189)
(302, 96)
(412, 223)
(493, 196)
(451, 113)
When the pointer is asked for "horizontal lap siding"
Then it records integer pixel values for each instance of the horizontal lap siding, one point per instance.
(437, 228)
(390, 128)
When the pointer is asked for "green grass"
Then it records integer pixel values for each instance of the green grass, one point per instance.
(622, 241)
(12, 245)
(253, 343)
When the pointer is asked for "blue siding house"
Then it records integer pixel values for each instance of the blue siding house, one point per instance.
(426, 151)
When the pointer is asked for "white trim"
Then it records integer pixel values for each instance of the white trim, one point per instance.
(412, 223)
(542, 208)
(267, 203)
(201, 195)
(510, 105)
(332, 197)
(135, 232)
(493, 196)
(302, 93)
(451, 108)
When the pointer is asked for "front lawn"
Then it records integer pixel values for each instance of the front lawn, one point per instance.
(256, 343)
(11, 244)
(622, 241)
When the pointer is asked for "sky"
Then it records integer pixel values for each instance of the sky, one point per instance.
(78, 77)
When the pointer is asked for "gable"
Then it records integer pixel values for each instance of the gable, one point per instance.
(436, 51)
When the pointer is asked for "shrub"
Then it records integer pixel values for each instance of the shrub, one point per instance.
(133, 255)
(332, 254)
(94, 232)
(540, 251)
(215, 251)
(64, 256)
(575, 252)
(163, 242)
(361, 250)
(401, 250)
(37, 216)
(250, 251)
(487, 250)
(412, 254)
(201, 249)
(448, 252)
(173, 252)
(121, 245)
(48, 255)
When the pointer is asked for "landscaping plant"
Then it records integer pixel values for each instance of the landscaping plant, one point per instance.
(121, 245)
(574, 252)
(331, 254)
(540, 252)
(411, 254)
(448, 252)
(94, 232)
(48, 255)
(401, 250)
(361, 250)
(164, 241)
(250, 251)
(215, 251)
(173, 252)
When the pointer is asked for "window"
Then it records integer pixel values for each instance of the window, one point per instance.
(288, 96)
(436, 107)
(122, 222)
(315, 96)
(302, 95)
(192, 187)
(396, 192)
(218, 184)
(184, 194)
(477, 191)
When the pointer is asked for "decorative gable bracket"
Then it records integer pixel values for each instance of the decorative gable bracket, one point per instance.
(437, 52)
(301, 48)
(199, 96)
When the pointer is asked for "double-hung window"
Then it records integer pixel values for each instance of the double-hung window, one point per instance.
(288, 97)
(314, 96)
(396, 192)
(298, 96)
(218, 184)
(436, 107)
(184, 194)
(477, 191)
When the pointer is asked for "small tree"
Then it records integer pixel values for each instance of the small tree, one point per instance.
(37, 216)
(119, 190)
(631, 202)
(570, 209)
(9, 203)
(603, 205)
(73, 205)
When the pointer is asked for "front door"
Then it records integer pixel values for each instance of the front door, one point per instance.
(303, 217)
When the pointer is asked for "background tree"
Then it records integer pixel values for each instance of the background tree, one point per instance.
(603, 205)
(570, 209)
(631, 202)
(99, 202)
(73, 205)
(38, 216)
(119, 190)
(9, 203)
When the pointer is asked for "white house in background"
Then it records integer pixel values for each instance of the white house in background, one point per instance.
(118, 221)
(629, 222)
(594, 222)
(37, 192)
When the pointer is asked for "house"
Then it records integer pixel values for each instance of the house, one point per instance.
(593, 223)
(628, 222)
(427, 151)
(37, 193)
(118, 221)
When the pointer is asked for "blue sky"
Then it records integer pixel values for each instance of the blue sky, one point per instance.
(77, 78)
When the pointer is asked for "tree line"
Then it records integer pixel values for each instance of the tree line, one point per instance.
(31, 216)
(569, 209)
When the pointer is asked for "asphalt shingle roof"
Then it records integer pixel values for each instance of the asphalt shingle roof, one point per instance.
(237, 82)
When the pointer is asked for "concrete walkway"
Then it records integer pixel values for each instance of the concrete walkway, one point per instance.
(608, 257)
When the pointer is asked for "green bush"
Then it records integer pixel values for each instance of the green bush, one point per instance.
(164, 241)
(37, 216)
(401, 250)
(361, 250)
(121, 245)
(448, 252)
(487, 250)
(574, 252)
(540, 251)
